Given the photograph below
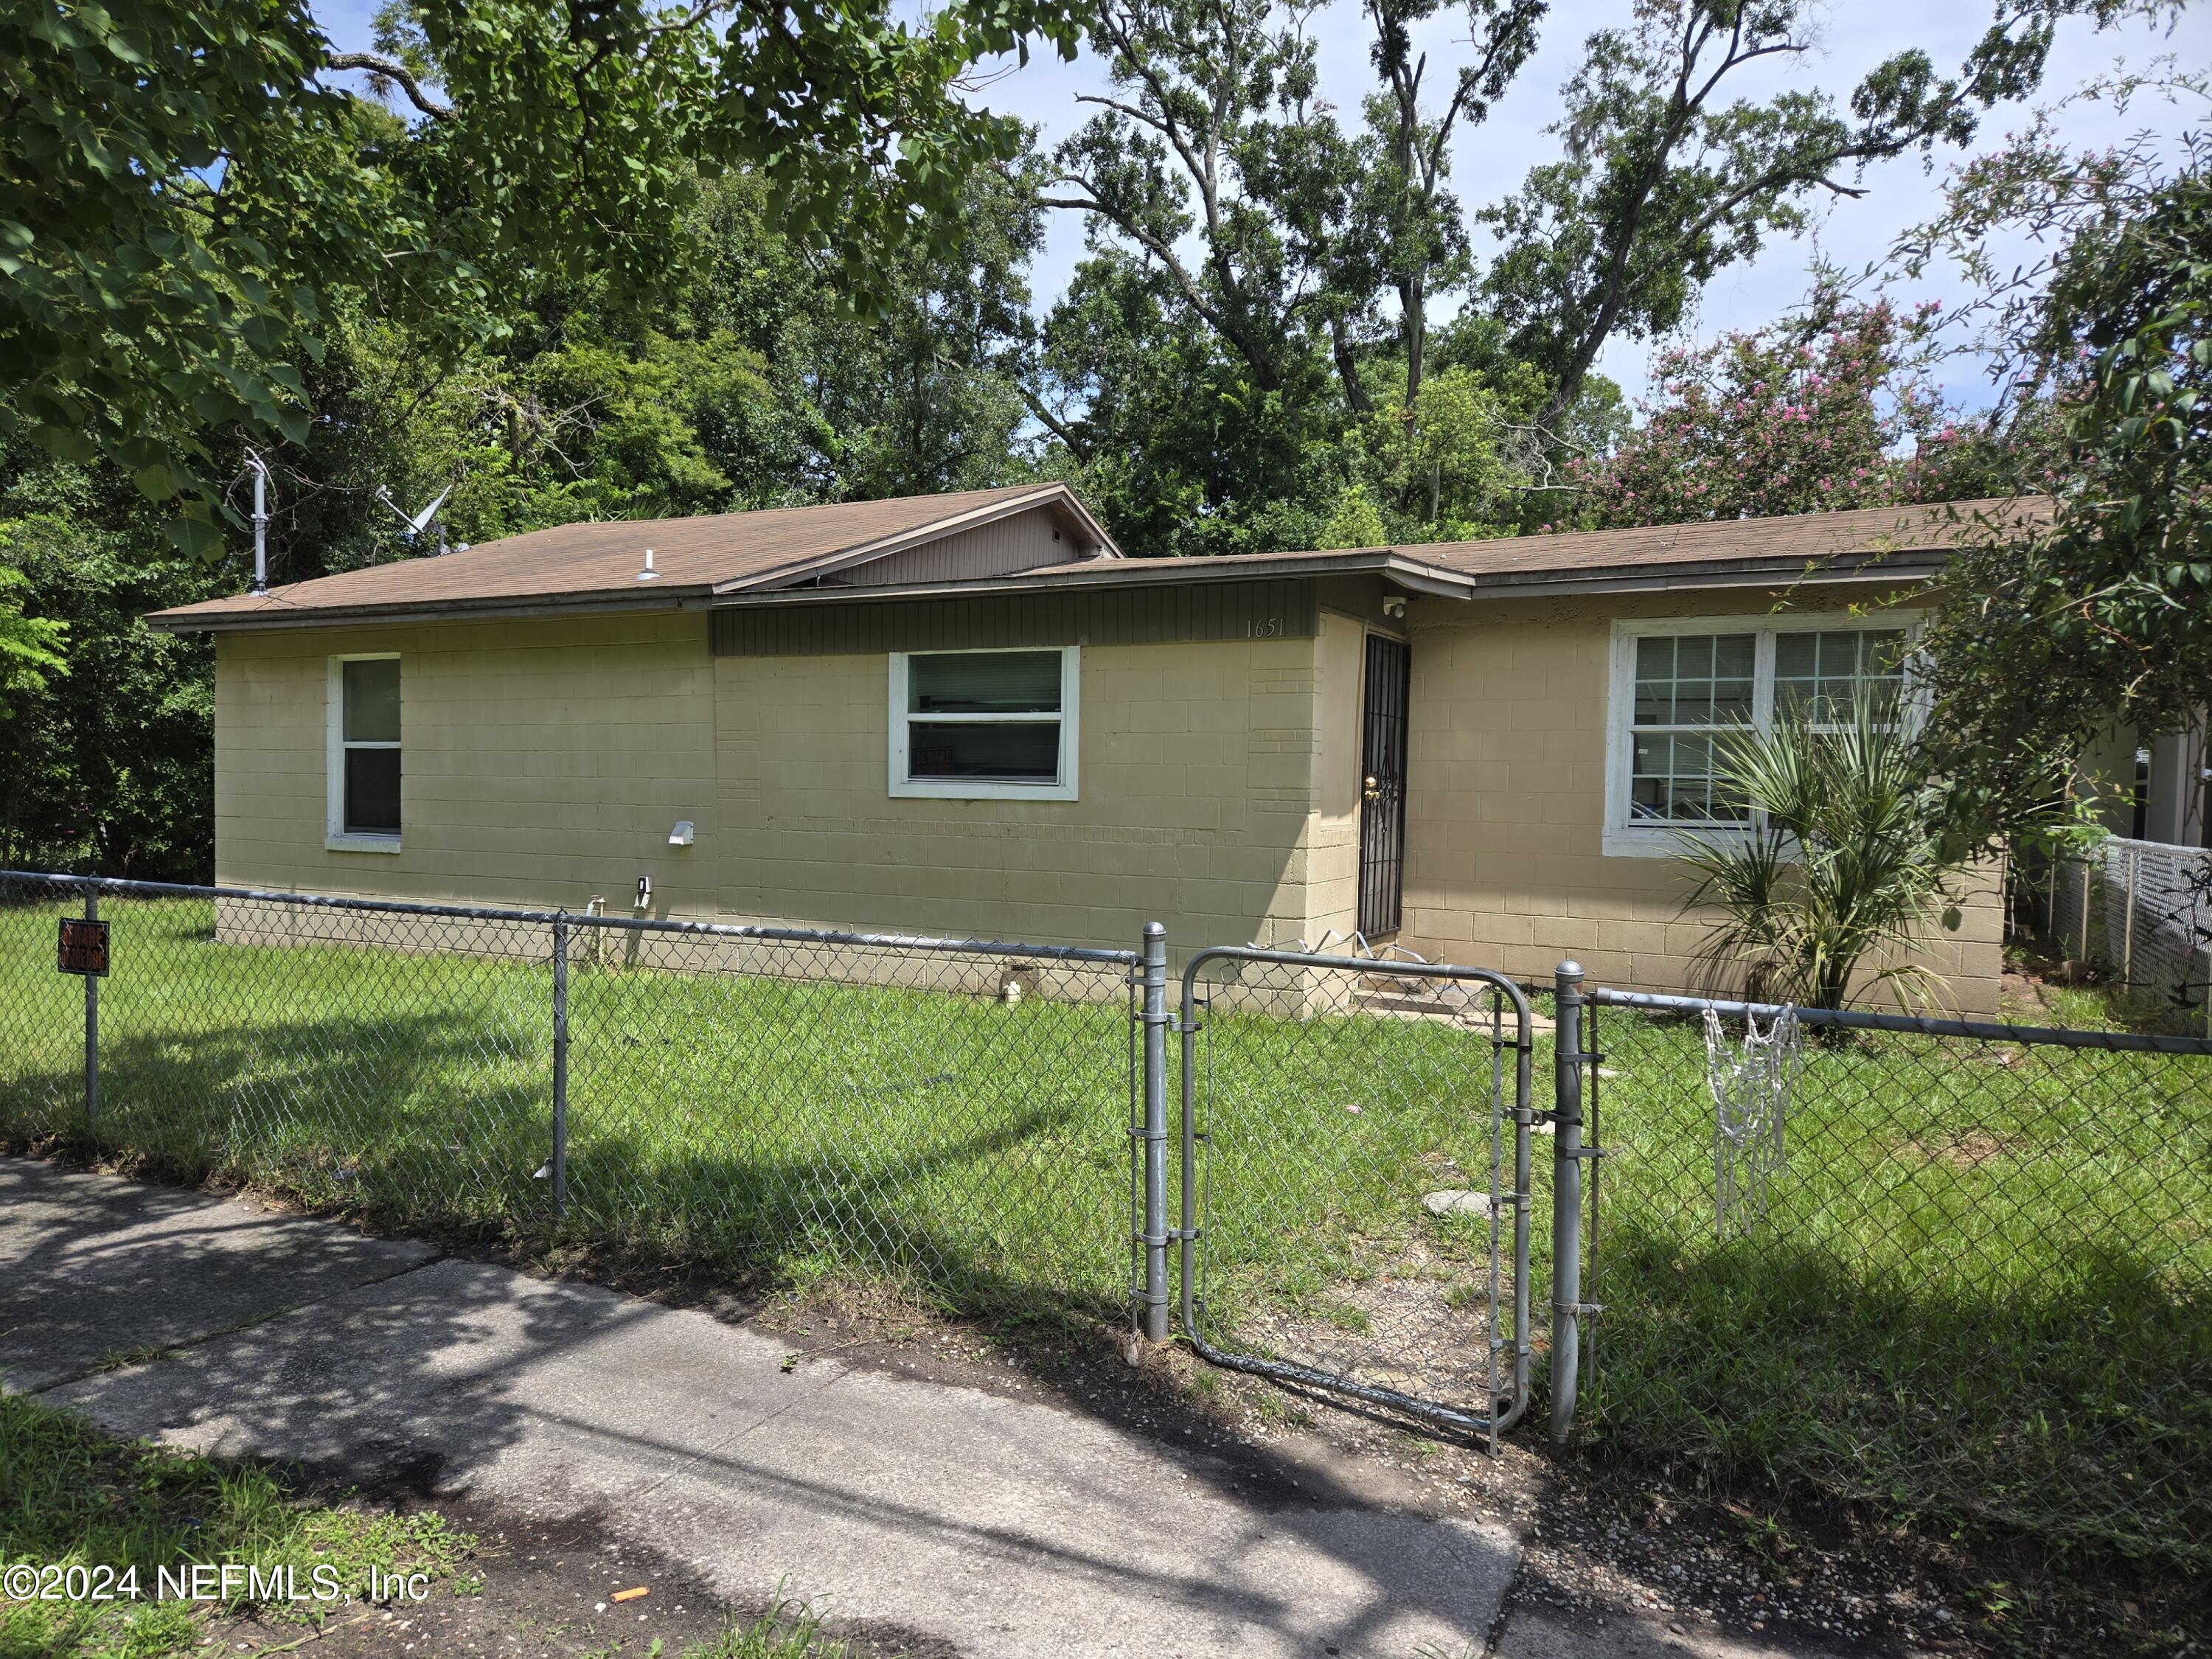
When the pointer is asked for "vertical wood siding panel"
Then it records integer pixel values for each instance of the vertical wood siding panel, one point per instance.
(1212, 611)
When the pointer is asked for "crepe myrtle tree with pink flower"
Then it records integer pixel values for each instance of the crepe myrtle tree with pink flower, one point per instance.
(1831, 407)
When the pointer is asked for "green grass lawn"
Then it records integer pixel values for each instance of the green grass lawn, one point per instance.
(73, 1497)
(1981, 1289)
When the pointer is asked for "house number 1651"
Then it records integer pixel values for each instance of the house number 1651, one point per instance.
(1265, 627)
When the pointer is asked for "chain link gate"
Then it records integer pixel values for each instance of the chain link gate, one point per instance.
(1355, 1192)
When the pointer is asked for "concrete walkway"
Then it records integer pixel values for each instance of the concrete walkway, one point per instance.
(1001, 1526)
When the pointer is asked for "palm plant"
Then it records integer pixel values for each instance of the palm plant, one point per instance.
(1844, 865)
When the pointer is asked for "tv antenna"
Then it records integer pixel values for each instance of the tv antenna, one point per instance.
(421, 521)
(260, 470)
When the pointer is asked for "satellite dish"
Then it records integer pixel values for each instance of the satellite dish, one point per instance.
(421, 521)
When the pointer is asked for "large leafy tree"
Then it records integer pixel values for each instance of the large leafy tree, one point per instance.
(1212, 135)
(1669, 176)
(1835, 406)
(181, 190)
(1266, 245)
(2048, 638)
(1407, 235)
(744, 385)
(105, 756)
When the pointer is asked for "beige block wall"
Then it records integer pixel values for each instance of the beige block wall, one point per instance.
(546, 760)
(1196, 770)
(1339, 668)
(1506, 805)
(543, 762)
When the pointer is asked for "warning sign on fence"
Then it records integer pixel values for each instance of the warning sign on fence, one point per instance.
(83, 948)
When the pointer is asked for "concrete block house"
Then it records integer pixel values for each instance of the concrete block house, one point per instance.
(971, 714)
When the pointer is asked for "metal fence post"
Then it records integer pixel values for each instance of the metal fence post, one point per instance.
(1155, 1017)
(2128, 925)
(91, 1020)
(1566, 1195)
(560, 1069)
(2084, 956)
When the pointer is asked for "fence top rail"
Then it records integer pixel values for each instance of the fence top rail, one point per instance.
(577, 919)
(2179, 850)
(1853, 1019)
(1522, 1013)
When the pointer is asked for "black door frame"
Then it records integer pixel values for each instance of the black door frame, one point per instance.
(1385, 715)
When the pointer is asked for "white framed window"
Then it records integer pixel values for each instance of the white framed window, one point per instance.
(1676, 685)
(984, 725)
(363, 767)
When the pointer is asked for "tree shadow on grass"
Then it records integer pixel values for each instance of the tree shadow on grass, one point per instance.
(415, 1116)
(566, 1397)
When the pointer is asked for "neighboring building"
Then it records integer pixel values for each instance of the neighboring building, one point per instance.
(2154, 786)
(971, 714)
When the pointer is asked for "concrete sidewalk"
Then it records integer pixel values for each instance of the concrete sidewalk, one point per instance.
(999, 1526)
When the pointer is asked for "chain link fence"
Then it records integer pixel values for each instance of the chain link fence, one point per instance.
(1976, 1282)
(950, 1115)
(1356, 1205)
(2142, 911)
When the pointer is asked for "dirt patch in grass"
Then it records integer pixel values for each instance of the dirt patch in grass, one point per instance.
(1961, 1149)
(548, 1588)
(1421, 1328)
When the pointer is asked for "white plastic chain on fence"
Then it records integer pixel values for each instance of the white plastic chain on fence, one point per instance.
(1751, 1094)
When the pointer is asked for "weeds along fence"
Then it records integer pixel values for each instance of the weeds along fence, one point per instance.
(949, 1113)
(2142, 912)
(1972, 1277)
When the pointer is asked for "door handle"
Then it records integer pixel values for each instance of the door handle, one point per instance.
(1372, 790)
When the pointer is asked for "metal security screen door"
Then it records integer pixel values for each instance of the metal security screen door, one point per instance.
(1383, 788)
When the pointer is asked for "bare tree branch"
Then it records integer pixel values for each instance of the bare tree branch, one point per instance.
(386, 68)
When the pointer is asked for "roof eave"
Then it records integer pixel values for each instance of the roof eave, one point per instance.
(692, 596)
(1915, 566)
(1410, 576)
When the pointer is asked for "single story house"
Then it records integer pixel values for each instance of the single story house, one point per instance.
(971, 714)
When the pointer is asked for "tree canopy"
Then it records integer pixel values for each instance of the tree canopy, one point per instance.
(183, 193)
(2045, 641)
(619, 260)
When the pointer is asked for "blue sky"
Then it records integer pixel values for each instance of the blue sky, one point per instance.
(1489, 162)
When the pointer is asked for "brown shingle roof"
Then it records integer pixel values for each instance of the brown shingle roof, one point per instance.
(1805, 538)
(723, 556)
(586, 563)
(1779, 543)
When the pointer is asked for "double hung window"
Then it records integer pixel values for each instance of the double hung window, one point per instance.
(364, 754)
(1679, 687)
